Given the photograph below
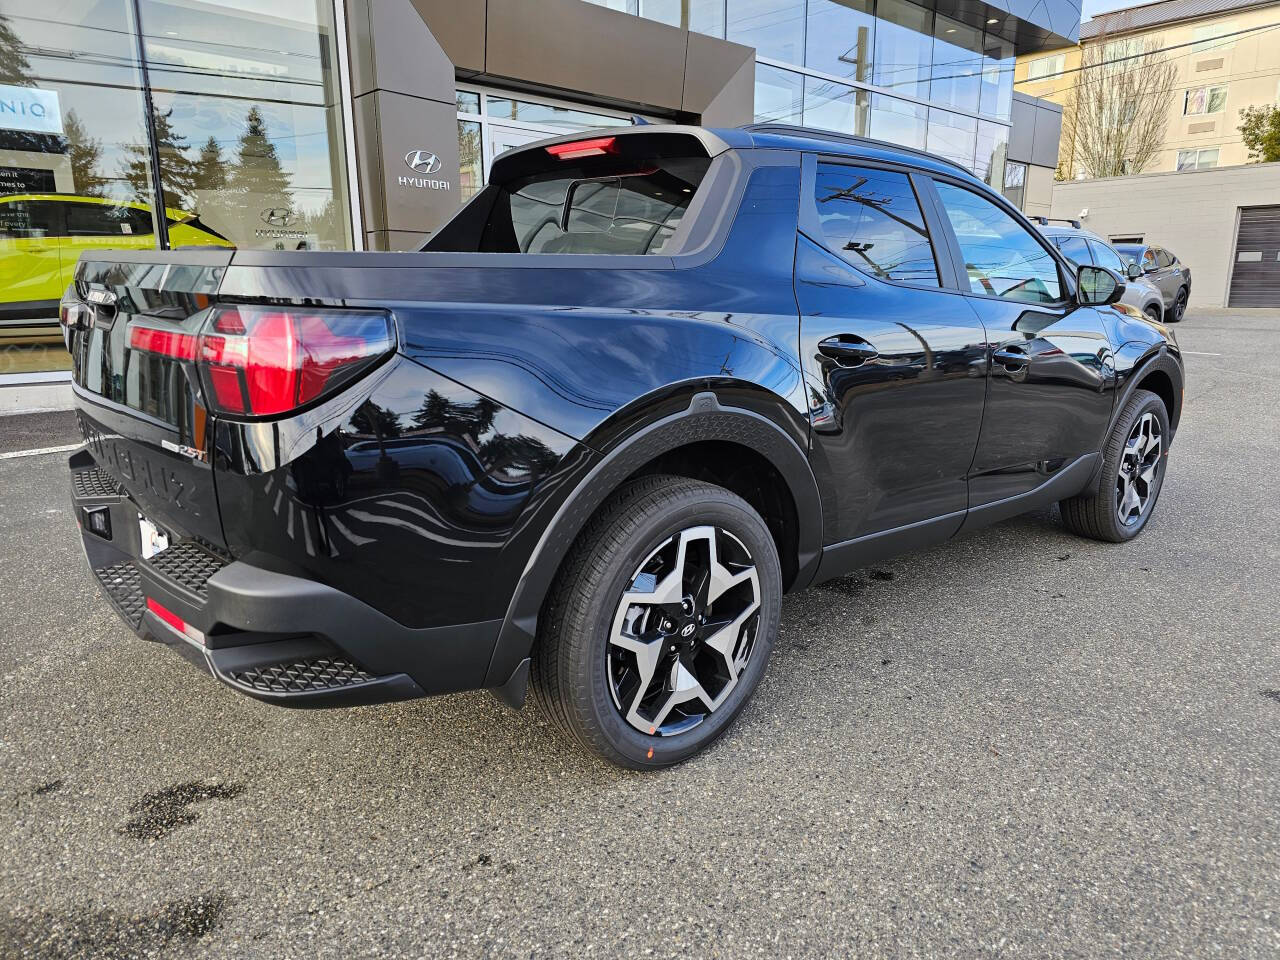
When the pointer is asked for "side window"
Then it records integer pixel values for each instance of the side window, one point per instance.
(1074, 249)
(1104, 256)
(139, 221)
(105, 220)
(29, 220)
(1001, 256)
(1164, 258)
(1149, 259)
(872, 218)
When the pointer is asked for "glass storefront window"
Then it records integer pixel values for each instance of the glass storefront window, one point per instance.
(704, 16)
(997, 78)
(840, 38)
(899, 121)
(470, 160)
(74, 168)
(247, 123)
(993, 147)
(952, 136)
(904, 47)
(468, 101)
(1015, 181)
(526, 111)
(833, 106)
(774, 27)
(779, 95)
(957, 64)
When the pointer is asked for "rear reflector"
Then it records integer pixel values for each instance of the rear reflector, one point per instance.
(583, 148)
(173, 621)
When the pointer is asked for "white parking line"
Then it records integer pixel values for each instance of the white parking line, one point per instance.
(1198, 353)
(42, 450)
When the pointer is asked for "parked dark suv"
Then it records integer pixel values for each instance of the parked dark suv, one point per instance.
(1162, 268)
(645, 382)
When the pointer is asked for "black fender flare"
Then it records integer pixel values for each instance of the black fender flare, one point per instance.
(1159, 358)
(704, 419)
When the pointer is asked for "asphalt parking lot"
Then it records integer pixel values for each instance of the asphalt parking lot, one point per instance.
(1020, 744)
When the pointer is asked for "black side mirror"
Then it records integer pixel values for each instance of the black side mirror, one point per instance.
(1133, 271)
(1097, 287)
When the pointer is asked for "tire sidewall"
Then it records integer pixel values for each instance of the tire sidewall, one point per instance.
(1148, 403)
(663, 521)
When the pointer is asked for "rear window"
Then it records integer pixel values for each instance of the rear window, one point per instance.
(629, 197)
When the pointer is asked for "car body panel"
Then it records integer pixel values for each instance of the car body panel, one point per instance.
(1166, 273)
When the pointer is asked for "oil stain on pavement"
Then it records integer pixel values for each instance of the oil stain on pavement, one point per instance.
(164, 810)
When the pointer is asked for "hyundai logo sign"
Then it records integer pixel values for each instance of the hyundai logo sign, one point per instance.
(279, 217)
(424, 163)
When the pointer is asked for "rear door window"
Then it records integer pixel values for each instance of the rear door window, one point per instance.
(1164, 257)
(872, 219)
(1001, 257)
(1104, 256)
(1074, 249)
(29, 219)
(105, 220)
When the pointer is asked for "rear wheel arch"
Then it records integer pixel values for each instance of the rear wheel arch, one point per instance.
(710, 441)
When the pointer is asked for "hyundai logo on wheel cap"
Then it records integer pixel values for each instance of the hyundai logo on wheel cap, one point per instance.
(687, 629)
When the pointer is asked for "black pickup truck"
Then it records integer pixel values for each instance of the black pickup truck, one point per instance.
(639, 387)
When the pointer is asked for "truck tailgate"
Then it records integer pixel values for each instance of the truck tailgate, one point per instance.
(142, 411)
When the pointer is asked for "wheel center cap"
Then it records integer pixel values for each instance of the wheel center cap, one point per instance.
(688, 630)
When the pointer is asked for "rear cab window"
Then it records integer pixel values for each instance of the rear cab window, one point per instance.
(872, 218)
(612, 195)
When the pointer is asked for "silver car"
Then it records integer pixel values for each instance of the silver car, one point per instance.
(1082, 247)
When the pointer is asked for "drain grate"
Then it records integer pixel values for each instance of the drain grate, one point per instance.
(318, 673)
(188, 564)
(123, 585)
(95, 482)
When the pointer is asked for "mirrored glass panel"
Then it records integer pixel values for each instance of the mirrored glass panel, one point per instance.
(247, 123)
(903, 47)
(957, 64)
(841, 38)
(899, 121)
(834, 106)
(997, 78)
(75, 172)
(779, 95)
(774, 27)
(952, 136)
(548, 115)
(704, 16)
(993, 147)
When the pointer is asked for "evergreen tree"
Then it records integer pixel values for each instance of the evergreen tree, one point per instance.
(84, 152)
(210, 167)
(257, 181)
(177, 171)
(13, 65)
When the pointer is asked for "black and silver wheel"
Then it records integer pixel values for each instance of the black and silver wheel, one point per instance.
(1179, 306)
(1133, 468)
(661, 622)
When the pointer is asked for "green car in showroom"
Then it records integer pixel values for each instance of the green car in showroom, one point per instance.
(43, 234)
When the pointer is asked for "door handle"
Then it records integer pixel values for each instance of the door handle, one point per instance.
(1011, 357)
(847, 350)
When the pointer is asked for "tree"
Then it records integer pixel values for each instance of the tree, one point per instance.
(1260, 130)
(1115, 117)
(210, 172)
(256, 180)
(177, 171)
(13, 65)
(84, 153)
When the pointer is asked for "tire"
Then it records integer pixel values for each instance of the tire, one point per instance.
(1179, 306)
(591, 657)
(1154, 313)
(1097, 513)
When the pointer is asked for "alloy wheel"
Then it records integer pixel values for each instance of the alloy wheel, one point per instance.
(1180, 304)
(1139, 470)
(683, 631)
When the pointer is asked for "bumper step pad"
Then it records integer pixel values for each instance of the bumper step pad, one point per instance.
(188, 564)
(320, 673)
(123, 585)
(94, 483)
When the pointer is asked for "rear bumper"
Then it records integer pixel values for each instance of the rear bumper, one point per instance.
(276, 637)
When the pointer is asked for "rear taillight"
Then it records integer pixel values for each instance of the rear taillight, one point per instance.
(265, 361)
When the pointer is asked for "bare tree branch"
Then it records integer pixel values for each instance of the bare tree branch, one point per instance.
(1114, 119)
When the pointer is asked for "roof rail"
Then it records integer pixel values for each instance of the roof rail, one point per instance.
(795, 130)
(1045, 221)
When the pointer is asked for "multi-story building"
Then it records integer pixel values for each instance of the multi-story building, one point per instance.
(1227, 57)
(363, 124)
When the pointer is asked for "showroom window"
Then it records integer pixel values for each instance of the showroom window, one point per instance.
(1200, 100)
(491, 122)
(1015, 183)
(1198, 159)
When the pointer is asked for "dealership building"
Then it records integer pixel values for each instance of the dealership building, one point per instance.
(364, 124)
